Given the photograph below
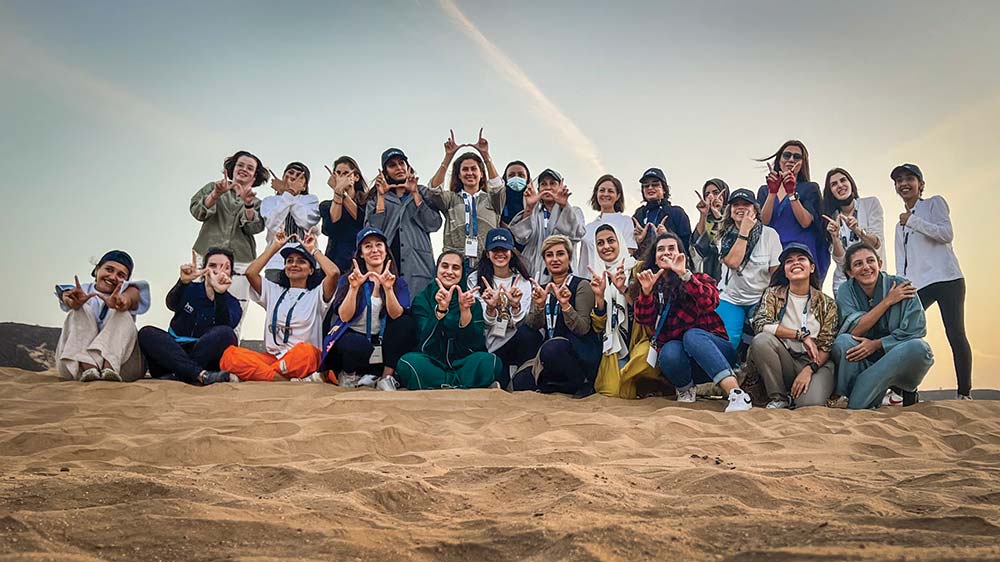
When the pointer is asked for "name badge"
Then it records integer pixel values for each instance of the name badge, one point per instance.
(472, 247)
(500, 328)
(376, 358)
(652, 356)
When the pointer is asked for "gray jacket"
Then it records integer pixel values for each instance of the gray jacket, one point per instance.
(530, 231)
(412, 225)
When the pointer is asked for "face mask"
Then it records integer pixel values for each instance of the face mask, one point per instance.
(517, 183)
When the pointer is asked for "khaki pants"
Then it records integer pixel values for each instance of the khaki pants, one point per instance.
(778, 369)
(81, 342)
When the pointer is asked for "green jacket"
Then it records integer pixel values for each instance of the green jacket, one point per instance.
(904, 321)
(443, 339)
(225, 224)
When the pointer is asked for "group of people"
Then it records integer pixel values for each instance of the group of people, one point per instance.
(526, 295)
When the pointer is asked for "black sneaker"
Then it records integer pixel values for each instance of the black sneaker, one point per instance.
(910, 398)
(212, 377)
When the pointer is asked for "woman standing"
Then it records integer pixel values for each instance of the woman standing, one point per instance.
(608, 197)
(708, 232)
(292, 209)
(516, 176)
(790, 203)
(547, 212)
(850, 220)
(795, 325)
(344, 215)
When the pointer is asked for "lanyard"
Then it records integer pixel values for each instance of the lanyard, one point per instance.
(545, 222)
(654, 219)
(906, 240)
(661, 320)
(471, 221)
(805, 311)
(288, 318)
(368, 314)
(551, 314)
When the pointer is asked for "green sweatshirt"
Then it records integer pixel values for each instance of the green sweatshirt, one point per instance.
(443, 339)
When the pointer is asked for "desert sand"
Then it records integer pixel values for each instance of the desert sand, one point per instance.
(163, 471)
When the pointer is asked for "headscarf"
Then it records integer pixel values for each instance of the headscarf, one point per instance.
(615, 338)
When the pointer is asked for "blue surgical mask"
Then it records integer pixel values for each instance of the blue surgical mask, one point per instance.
(517, 183)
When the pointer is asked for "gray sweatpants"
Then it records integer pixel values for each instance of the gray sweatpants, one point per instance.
(778, 369)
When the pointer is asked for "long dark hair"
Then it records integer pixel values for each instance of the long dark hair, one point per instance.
(776, 159)
(619, 204)
(456, 175)
(484, 271)
(516, 163)
(669, 283)
(830, 202)
(360, 186)
(779, 279)
(261, 174)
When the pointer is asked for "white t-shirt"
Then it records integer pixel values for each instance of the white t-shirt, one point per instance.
(501, 328)
(361, 324)
(589, 243)
(744, 288)
(794, 309)
(306, 321)
(868, 211)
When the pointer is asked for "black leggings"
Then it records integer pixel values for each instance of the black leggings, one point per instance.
(518, 350)
(165, 357)
(353, 350)
(950, 298)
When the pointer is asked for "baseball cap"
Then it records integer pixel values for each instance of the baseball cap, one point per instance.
(742, 194)
(654, 173)
(550, 172)
(907, 169)
(369, 231)
(499, 238)
(391, 153)
(795, 248)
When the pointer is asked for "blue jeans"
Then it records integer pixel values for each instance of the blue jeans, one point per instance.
(734, 316)
(697, 357)
(865, 382)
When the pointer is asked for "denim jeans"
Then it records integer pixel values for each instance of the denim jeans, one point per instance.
(865, 382)
(734, 316)
(697, 357)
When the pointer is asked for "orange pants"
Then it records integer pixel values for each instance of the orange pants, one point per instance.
(301, 360)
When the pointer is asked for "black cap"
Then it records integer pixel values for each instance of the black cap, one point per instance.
(278, 275)
(907, 169)
(654, 173)
(366, 232)
(391, 153)
(116, 256)
(499, 238)
(743, 194)
(298, 249)
(796, 248)
(550, 172)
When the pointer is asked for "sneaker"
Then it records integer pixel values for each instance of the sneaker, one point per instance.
(110, 375)
(739, 401)
(777, 405)
(368, 380)
(495, 385)
(910, 398)
(965, 397)
(688, 395)
(348, 380)
(212, 377)
(90, 375)
(315, 377)
(892, 398)
(387, 382)
(839, 402)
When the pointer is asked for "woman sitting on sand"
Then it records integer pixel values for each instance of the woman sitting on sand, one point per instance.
(452, 350)
(295, 300)
(98, 339)
(795, 326)
(203, 326)
(369, 325)
(690, 344)
(292, 209)
(625, 343)
(505, 294)
(567, 359)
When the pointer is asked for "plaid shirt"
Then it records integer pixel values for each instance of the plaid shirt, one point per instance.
(694, 307)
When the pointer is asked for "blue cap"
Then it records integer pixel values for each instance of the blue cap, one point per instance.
(391, 153)
(743, 194)
(299, 249)
(907, 169)
(551, 173)
(796, 248)
(116, 256)
(369, 231)
(499, 238)
(654, 173)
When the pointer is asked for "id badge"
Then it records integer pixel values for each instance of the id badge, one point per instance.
(500, 328)
(472, 247)
(376, 358)
(652, 356)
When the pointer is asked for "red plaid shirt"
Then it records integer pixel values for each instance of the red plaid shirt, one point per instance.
(693, 307)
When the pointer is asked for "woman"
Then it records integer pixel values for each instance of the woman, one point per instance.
(796, 325)
(292, 209)
(925, 256)
(452, 351)
(368, 322)
(547, 212)
(566, 361)
(689, 339)
(850, 220)
(516, 177)
(505, 294)
(625, 344)
(790, 202)
(98, 338)
(473, 205)
(344, 215)
(749, 253)
(708, 232)
(657, 214)
(295, 300)
(608, 198)
(229, 213)
(203, 326)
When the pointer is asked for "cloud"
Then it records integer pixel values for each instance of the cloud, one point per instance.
(581, 145)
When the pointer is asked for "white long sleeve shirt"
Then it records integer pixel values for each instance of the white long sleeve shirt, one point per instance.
(924, 254)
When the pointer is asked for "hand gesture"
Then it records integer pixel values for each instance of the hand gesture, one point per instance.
(661, 227)
(76, 297)
(443, 296)
(381, 185)
(812, 350)
(411, 183)
(773, 180)
(116, 301)
(491, 296)
(639, 232)
(904, 217)
(386, 279)
(864, 348)
(277, 184)
(678, 263)
(563, 294)
(280, 239)
(531, 196)
(788, 182)
(356, 279)
(450, 146)
(245, 193)
(749, 221)
(832, 226)
(340, 184)
(514, 295)
(218, 282)
(900, 292)
(190, 271)
(618, 279)
(647, 280)
(538, 293)
(703, 206)
(309, 242)
(598, 283)
(562, 196)
(850, 221)
(466, 298)
(801, 383)
(482, 145)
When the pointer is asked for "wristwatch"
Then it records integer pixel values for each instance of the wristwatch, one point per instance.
(687, 276)
(793, 197)
(814, 366)
(743, 237)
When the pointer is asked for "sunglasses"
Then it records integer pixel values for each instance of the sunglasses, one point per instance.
(791, 156)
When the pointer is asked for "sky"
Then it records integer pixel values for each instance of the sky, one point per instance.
(114, 113)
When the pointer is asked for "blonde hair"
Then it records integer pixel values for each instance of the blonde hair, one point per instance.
(555, 240)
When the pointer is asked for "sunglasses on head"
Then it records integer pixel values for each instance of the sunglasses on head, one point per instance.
(791, 156)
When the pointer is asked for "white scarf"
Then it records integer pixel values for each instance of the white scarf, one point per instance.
(615, 340)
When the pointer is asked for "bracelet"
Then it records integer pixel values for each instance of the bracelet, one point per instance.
(742, 237)
(439, 311)
(250, 206)
(687, 276)
(313, 253)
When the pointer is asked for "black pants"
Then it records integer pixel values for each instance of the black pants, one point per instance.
(561, 370)
(950, 298)
(165, 357)
(518, 350)
(352, 352)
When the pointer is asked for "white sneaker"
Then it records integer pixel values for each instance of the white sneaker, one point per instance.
(965, 396)
(387, 382)
(90, 375)
(687, 396)
(891, 398)
(110, 375)
(348, 380)
(315, 377)
(739, 401)
(368, 380)
(777, 405)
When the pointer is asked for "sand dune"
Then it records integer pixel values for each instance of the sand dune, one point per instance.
(164, 471)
